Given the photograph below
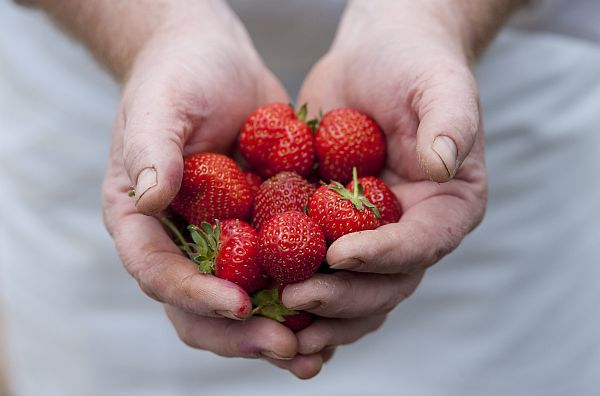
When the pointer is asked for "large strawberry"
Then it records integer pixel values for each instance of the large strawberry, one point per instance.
(346, 139)
(291, 247)
(282, 192)
(268, 303)
(339, 211)
(274, 139)
(228, 250)
(380, 195)
(212, 188)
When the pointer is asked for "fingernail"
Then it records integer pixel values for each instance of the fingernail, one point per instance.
(307, 306)
(347, 264)
(229, 315)
(274, 355)
(145, 181)
(446, 150)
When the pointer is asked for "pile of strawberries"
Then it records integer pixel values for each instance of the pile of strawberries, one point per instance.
(263, 235)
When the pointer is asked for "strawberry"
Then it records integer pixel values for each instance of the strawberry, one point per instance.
(340, 211)
(380, 195)
(254, 181)
(291, 246)
(346, 139)
(298, 321)
(274, 139)
(268, 303)
(212, 188)
(282, 192)
(228, 250)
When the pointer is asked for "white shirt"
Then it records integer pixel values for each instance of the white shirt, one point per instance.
(513, 311)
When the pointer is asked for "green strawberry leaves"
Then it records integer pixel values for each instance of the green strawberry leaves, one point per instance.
(205, 246)
(268, 304)
(313, 124)
(355, 196)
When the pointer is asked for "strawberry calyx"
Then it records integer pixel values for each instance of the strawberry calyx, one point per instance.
(356, 196)
(205, 246)
(268, 304)
(313, 124)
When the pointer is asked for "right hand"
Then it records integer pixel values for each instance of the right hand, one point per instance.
(191, 87)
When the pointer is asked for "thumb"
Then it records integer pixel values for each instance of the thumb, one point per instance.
(448, 112)
(153, 137)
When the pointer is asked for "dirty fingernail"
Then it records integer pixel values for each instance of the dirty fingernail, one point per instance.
(145, 181)
(276, 356)
(229, 315)
(307, 306)
(347, 264)
(447, 151)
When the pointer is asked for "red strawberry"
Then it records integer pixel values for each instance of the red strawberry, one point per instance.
(254, 181)
(228, 250)
(291, 247)
(282, 192)
(345, 139)
(274, 140)
(380, 195)
(339, 211)
(212, 188)
(268, 304)
(298, 321)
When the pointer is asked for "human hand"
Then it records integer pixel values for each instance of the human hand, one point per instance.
(408, 68)
(191, 87)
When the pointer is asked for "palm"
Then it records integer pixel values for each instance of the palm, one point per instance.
(397, 92)
(195, 101)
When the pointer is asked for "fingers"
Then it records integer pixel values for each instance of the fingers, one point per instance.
(326, 333)
(153, 132)
(165, 275)
(302, 366)
(305, 366)
(349, 295)
(425, 233)
(256, 337)
(448, 112)
(321, 89)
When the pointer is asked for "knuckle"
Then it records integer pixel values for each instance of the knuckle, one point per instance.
(338, 297)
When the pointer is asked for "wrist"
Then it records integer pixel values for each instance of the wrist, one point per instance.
(181, 22)
(463, 28)
(189, 32)
(116, 32)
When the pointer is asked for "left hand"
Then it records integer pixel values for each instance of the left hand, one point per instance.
(413, 77)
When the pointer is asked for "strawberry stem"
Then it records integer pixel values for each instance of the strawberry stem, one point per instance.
(183, 244)
(356, 195)
(303, 112)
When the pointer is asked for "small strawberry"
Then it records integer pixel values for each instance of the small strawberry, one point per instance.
(291, 246)
(254, 181)
(380, 195)
(274, 139)
(268, 303)
(282, 192)
(340, 211)
(228, 250)
(346, 139)
(212, 188)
